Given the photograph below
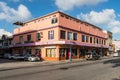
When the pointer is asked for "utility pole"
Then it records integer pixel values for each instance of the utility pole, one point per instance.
(70, 49)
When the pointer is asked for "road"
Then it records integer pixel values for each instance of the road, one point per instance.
(108, 69)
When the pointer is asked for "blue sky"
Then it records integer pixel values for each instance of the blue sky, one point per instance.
(102, 13)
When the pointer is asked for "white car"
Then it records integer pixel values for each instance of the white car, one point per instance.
(33, 58)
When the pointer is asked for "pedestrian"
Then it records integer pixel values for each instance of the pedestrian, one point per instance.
(39, 55)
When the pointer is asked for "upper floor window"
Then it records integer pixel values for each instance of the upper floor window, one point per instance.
(51, 34)
(90, 39)
(54, 20)
(83, 38)
(37, 36)
(62, 34)
(29, 37)
(104, 42)
(94, 40)
(69, 35)
(87, 38)
(97, 41)
(74, 36)
(21, 39)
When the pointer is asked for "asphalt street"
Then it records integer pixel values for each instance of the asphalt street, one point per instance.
(107, 69)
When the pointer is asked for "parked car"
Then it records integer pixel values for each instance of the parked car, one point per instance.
(26, 56)
(33, 58)
(1, 55)
(92, 56)
(18, 57)
(6, 55)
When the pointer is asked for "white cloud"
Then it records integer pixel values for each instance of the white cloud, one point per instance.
(2, 31)
(106, 17)
(11, 15)
(70, 4)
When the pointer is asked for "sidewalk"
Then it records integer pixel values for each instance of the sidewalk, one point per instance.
(26, 64)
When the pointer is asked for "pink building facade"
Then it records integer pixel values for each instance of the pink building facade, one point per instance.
(53, 34)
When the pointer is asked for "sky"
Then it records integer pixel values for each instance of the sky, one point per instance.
(102, 13)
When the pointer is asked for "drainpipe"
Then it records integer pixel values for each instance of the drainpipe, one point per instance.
(101, 51)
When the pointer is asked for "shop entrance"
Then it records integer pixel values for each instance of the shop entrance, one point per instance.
(68, 54)
(83, 53)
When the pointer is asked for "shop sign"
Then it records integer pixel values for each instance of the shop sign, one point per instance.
(50, 47)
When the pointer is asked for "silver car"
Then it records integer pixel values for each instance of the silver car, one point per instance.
(33, 58)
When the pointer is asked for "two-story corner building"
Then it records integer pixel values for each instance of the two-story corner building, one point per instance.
(5, 44)
(53, 34)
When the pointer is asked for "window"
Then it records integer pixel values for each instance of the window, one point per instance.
(90, 39)
(62, 34)
(62, 15)
(28, 37)
(62, 52)
(97, 41)
(51, 34)
(104, 42)
(50, 52)
(37, 36)
(87, 38)
(20, 52)
(74, 36)
(94, 40)
(54, 20)
(29, 51)
(74, 52)
(83, 38)
(69, 35)
(21, 39)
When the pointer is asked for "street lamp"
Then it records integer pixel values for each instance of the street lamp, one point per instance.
(70, 49)
(101, 51)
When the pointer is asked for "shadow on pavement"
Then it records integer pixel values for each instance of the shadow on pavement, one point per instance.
(9, 61)
(116, 79)
(115, 62)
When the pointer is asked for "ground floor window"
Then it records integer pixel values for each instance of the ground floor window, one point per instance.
(83, 52)
(62, 52)
(51, 52)
(65, 52)
(74, 52)
(20, 52)
(37, 50)
(28, 51)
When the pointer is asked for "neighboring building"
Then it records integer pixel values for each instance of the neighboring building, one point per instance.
(109, 43)
(117, 45)
(6, 44)
(53, 34)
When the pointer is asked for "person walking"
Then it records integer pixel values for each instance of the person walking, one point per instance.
(39, 55)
